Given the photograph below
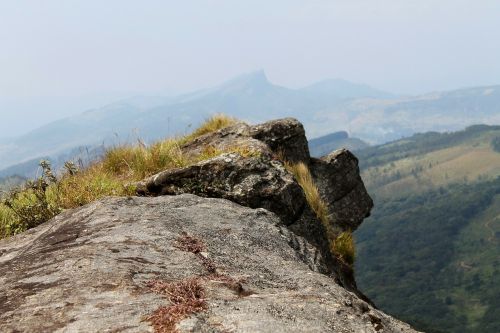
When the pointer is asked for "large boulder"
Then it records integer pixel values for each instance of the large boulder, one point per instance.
(285, 137)
(341, 187)
(256, 182)
(169, 261)
(262, 182)
(173, 263)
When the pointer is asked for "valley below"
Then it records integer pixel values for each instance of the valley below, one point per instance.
(429, 254)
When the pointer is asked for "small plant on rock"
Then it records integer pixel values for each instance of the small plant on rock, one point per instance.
(33, 204)
(343, 246)
(113, 175)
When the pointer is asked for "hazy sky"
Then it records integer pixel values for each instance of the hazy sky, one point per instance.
(57, 57)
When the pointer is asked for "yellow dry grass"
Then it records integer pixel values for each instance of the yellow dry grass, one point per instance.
(111, 176)
(341, 245)
(212, 124)
(303, 176)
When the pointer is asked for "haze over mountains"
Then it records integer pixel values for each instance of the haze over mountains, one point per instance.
(332, 105)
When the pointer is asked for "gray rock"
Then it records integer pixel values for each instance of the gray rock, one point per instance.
(262, 182)
(237, 135)
(256, 182)
(89, 270)
(283, 136)
(341, 187)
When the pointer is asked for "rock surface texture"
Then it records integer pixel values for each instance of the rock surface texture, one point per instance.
(225, 245)
(254, 182)
(90, 270)
(339, 183)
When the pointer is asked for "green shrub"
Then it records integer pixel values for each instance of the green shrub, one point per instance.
(33, 204)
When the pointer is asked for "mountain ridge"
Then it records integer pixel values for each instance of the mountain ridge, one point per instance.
(253, 98)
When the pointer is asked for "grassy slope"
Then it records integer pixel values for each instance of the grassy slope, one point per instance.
(113, 175)
(459, 161)
(429, 253)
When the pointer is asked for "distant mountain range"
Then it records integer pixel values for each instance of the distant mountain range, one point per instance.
(333, 105)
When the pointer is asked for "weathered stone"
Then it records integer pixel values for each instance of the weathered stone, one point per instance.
(226, 139)
(88, 270)
(262, 182)
(340, 186)
(284, 136)
(256, 182)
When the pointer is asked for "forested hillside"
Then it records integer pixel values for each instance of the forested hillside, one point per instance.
(430, 252)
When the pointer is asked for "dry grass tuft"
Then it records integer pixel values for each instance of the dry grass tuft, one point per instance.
(303, 176)
(343, 246)
(190, 244)
(121, 166)
(87, 186)
(245, 151)
(186, 297)
(138, 162)
(212, 124)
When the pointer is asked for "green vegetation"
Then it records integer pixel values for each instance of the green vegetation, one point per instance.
(113, 175)
(429, 254)
(420, 144)
(426, 162)
(326, 144)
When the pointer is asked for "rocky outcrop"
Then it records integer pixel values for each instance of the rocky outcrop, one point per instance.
(255, 182)
(261, 181)
(228, 244)
(101, 268)
(285, 137)
(340, 185)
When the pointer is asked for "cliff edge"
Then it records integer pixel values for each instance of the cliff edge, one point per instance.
(229, 244)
